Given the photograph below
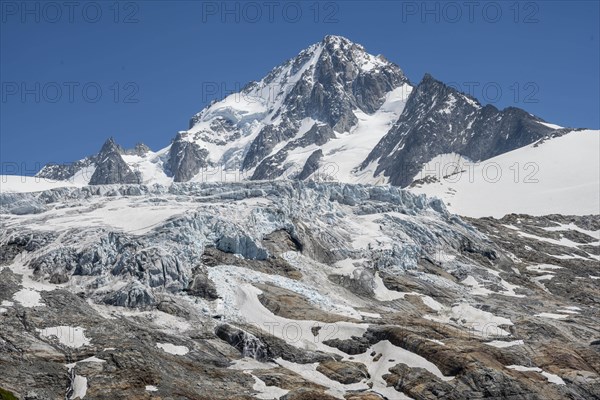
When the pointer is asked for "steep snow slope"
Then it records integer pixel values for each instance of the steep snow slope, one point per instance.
(554, 176)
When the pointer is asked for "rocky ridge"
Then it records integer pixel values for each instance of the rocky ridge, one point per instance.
(333, 112)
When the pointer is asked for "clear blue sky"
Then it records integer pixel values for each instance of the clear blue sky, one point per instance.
(167, 52)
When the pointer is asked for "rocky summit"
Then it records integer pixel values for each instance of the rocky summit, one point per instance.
(333, 112)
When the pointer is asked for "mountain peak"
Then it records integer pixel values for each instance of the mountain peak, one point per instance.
(110, 146)
(335, 39)
(334, 44)
(110, 166)
(428, 78)
(331, 104)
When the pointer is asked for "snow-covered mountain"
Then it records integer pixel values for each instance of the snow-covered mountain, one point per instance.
(331, 103)
(440, 120)
(313, 275)
(334, 112)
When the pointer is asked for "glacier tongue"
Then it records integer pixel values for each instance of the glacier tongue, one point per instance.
(350, 287)
(170, 228)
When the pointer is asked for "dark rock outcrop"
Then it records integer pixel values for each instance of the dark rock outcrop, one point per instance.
(344, 372)
(438, 119)
(186, 159)
(133, 295)
(111, 168)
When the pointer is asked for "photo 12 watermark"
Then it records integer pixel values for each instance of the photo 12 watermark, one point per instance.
(495, 92)
(69, 92)
(252, 12)
(71, 12)
(461, 170)
(452, 12)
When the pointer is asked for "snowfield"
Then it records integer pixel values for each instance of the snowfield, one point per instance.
(555, 176)
(22, 184)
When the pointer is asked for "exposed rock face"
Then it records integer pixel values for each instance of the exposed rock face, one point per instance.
(201, 285)
(133, 295)
(242, 245)
(318, 134)
(359, 282)
(259, 130)
(248, 344)
(110, 167)
(307, 394)
(343, 371)
(126, 358)
(64, 172)
(265, 347)
(311, 165)
(185, 159)
(285, 379)
(272, 265)
(438, 119)
(139, 150)
(288, 304)
(332, 85)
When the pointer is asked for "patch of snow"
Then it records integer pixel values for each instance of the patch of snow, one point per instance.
(477, 288)
(551, 315)
(343, 154)
(542, 267)
(478, 321)
(267, 392)
(79, 386)
(444, 167)
(382, 293)
(561, 242)
(522, 368)
(543, 277)
(173, 349)
(248, 363)
(572, 227)
(28, 298)
(223, 275)
(553, 126)
(23, 184)
(502, 344)
(69, 336)
(369, 315)
(89, 359)
(552, 378)
(437, 341)
(310, 373)
(431, 303)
